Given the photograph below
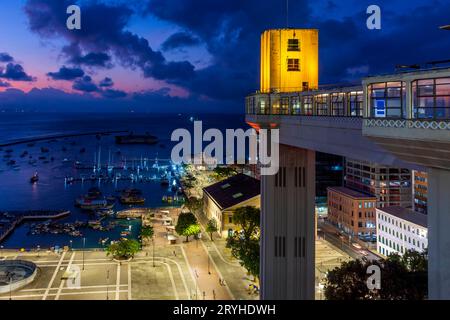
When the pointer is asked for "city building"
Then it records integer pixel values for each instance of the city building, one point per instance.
(398, 120)
(289, 60)
(400, 229)
(329, 173)
(353, 212)
(390, 185)
(222, 198)
(420, 191)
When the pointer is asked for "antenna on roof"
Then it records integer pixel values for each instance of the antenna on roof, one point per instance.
(287, 13)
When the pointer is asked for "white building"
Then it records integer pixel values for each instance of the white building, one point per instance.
(400, 229)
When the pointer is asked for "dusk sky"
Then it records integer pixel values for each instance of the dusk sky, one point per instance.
(193, 55)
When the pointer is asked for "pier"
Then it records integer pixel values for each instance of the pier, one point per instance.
(57, 136)
(17, 217)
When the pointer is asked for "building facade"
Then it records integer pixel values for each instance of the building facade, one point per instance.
(420, 191)
(400, 229)
(390, 185)
(221, 199)
(289, 60)
(353, 212)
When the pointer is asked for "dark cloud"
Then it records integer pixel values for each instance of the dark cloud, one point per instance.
(97, 59)
(107, 82)
(4, 84)
(179, 40)
(15, 72)
(5, 57)
(113, 94)
(50, 99)
(85, 84)
(103, 30)
(65, 73)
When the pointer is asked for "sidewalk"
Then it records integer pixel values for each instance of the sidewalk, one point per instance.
(205, 273)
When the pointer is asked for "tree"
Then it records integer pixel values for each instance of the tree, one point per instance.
(187, 225)
(221, 173)
(123, 249)
(244, 244)
(211, 227)
(194, 204)
(147, 232)
(402, 278)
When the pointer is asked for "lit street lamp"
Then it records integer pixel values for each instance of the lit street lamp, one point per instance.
(84, 246)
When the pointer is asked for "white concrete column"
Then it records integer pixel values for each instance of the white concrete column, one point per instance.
(287, 227)
(439, 234)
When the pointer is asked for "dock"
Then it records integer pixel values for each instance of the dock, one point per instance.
(17, 217)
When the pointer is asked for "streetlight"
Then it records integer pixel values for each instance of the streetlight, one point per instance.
(107, 285)
(153, 253)
(196, 284)
(10, 287)
(71, 247)
(84, 246)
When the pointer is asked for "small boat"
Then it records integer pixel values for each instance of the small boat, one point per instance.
(34, 178)
(65, 160)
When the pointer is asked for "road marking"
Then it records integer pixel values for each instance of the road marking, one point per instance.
(118, 282)
(81, 288)
(129, 281)
(191, 272)
(218, 271)
(63, 282)
(180, 271)
(62, 294)
(54, 276)
(169, 270)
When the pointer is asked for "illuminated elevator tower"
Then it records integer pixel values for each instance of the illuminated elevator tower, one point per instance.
(289, 60)
(289, 63)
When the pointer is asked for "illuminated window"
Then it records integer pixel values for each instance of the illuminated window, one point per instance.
(322, 104)
(431, 98)
(356, 103)
(293, 45)
(387, 99)
(337, 104)
(293, 64)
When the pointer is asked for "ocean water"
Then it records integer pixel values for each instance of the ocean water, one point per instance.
(51, 193)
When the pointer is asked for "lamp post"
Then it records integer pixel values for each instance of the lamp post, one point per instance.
(71, 247)
(196, 284)
(107, 285)
(84, 246)
(153, 253)
(10, 287)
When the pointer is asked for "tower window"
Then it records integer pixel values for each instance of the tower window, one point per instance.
(293, 65)
(293, 45)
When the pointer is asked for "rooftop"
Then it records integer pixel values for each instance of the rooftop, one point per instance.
(352, 193)
(234, 190)
(406, 214)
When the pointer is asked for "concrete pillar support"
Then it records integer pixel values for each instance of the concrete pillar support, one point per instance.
(287, 227)
(439, 234)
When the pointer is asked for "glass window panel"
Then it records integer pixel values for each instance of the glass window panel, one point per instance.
(425, 82)
(393, 113)
(393, 92)
(442, 113)
(443, 89)
(426, 90)
(442, 80)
